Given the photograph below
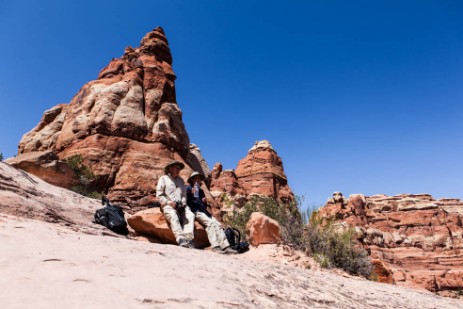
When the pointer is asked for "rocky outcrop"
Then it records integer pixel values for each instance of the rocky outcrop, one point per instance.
(126, 125)
(151, 222)
(413, 239)
(47, 166)
(261, 229)
(27, 196)
(196, 160)
(260, 173)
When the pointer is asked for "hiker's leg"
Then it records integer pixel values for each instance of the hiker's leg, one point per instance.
(214, 230)
(172, 217)
(188, 220)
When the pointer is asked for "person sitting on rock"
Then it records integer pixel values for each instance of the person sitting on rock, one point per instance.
(170, 191)
(196, 200)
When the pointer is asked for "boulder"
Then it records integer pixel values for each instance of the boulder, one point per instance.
(151, 222)
(261, 229)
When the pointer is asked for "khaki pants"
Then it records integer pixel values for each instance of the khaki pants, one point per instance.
(214, 230)
(182, 225)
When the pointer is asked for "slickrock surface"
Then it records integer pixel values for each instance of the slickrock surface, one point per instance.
(413, 239)
(25, 195)
(259, 173)
(44, 265)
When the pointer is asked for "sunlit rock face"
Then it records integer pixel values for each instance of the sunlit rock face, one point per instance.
(413, 239)
(126, 125)
(259, 173)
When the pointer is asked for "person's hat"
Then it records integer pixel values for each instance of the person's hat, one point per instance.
(190, 179)
(173, 163)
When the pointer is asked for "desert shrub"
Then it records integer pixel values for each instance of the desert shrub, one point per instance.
(86, 177)
(335, 247)
(317, 236)
(238, 218)
(1, 157)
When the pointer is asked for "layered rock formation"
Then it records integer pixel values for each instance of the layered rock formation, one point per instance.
(27, 196)
(413, 239)
(259, 173)
(126, 125)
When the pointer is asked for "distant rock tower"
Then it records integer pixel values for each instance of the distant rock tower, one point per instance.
(260, 173)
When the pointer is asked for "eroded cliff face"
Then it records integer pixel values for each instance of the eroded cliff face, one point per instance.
(259, 173)
(126, 125)
(413, 239)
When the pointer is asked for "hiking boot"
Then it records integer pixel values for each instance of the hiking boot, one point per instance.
(184, 243)
(218, 250)
(229, 250)
(191, 244)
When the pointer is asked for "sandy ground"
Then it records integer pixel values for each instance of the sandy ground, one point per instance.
(44, 265)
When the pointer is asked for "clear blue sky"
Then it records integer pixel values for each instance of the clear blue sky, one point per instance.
(356, 96)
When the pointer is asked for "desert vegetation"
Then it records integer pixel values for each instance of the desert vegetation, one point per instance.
(1, 157)
(86, 177)
(328, 244)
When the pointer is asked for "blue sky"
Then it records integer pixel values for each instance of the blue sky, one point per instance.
(356, 96)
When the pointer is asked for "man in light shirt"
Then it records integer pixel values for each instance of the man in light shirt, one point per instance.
(171, 192)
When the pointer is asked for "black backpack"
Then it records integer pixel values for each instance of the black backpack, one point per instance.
(112, 217)
(234, 239)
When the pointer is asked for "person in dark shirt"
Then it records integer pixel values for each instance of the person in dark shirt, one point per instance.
(196, 200)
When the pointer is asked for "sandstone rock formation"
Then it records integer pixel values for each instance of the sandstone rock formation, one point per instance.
(151, 222)
(260, 173)
(262, 230)
(413, 239)
(27, 196)
(47, 166)
(126, 125)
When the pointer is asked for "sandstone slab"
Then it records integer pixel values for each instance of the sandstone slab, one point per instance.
(152, 222)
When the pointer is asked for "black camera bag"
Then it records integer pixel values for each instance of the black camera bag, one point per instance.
(112, 217)
(234, 239)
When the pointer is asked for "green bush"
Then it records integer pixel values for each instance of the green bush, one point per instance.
(86, 177)
(309, 232)
(1, 157)
(335, 247)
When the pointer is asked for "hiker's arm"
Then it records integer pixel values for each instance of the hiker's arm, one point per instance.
(161, 192)
(203, 196)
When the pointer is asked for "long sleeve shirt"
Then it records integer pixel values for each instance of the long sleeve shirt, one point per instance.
(171, 189)
(196, 203)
